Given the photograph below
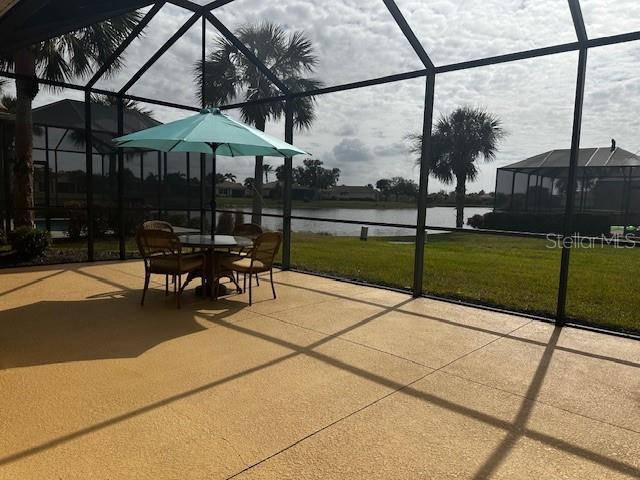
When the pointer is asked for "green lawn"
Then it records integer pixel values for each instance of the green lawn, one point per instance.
(515, 273)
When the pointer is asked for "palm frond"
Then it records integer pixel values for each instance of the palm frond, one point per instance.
(229, 74)
(459, 140)
(79, 53)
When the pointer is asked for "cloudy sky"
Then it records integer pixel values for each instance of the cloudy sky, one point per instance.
(363, 131)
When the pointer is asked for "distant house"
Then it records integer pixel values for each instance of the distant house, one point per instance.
(351, 192)
(271, 189)
(230, 189)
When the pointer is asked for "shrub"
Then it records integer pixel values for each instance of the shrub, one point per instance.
(77, 225)
(3, 237)
(239, 217)
(225, 223)
(29, 243)
(588, 224)
(105, 220)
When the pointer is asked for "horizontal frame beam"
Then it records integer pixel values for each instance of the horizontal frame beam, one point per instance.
(538, 52)
(494, 60)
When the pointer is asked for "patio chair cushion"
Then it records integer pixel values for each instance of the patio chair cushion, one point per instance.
(243, 264)
(168, 264)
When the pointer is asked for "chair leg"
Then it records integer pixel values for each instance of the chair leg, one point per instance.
(232, 277)
(179, 292)
(244, 284)
(250, 300)
(273, 289)
(146, 285)
(166, 285)
(257, 281)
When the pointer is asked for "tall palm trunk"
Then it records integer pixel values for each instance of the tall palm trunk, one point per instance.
(256, 214)
(26, 91)
(461, 192)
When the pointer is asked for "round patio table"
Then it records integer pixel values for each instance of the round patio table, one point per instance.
(210, 243)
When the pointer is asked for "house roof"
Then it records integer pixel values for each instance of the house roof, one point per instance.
(25, 22)
(231, 185)
(70, 114)
(352, 189)
(587, 158)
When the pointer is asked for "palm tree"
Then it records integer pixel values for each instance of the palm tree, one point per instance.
(73, 55)
(228, 74)
(267, 170)
(129, 105)
(248, 183)
(458, 141)
(230, 177)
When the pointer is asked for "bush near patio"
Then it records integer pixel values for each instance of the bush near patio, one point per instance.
(27, 243)
(591, 224)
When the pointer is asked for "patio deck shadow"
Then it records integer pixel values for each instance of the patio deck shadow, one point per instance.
(150, 390)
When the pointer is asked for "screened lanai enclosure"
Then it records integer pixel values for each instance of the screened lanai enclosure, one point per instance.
(156, 185)
(608, 184)
(560, 76)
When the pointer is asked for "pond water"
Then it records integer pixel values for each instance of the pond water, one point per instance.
(436, 216)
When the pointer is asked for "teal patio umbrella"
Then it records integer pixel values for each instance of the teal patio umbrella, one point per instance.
(209, 132)
(212, 132)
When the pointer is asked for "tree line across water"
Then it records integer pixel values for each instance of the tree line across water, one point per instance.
(459, 141)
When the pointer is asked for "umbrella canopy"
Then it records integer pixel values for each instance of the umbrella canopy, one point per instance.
(210, 131)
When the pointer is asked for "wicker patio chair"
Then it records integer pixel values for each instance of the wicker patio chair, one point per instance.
(249, 230)
(165, 227)
(162, 254)
(263, 253)
(158, 225)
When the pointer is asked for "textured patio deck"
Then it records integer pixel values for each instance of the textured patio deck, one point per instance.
(330, 380)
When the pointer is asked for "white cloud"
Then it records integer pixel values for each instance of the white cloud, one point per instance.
(356, 40)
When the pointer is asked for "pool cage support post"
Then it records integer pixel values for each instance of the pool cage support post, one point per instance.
(120, 194)
(513, 189)
(188, 160)
(571, 189)
(626, 199)
(88, 129)
(214, 207)
(425, 154)
(160, 185)
(4, 163)
(202, 193)
(47, 183)
(288, 186)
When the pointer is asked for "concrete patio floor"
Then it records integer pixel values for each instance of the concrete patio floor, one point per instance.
(331, 380)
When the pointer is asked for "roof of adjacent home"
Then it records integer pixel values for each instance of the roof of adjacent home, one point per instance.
(352, 189)
(587, 158)
(70, 114)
